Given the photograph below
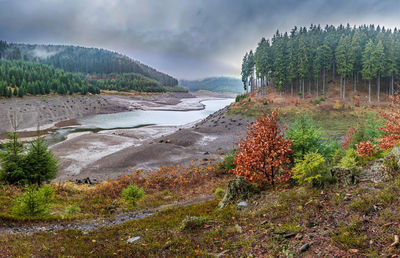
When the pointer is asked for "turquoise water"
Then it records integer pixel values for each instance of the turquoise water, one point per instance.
(139, 118)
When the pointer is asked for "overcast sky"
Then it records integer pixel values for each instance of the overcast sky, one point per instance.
(185, 38)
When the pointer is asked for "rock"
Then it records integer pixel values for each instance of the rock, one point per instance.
(133, 239)
(242, 204)
(304, 247)
(299, 236)
(192, 222)
(238, 189)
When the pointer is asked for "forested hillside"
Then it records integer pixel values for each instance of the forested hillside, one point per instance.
(305, 59)
(18, 78)
(82, 60)
(214, 84)
(130, 81)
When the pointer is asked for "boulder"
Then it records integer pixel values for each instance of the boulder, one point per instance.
(238, 190)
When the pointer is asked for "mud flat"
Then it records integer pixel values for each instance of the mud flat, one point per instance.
(109, 154)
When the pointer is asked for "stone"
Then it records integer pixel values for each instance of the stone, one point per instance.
(304, 247)
(242, 204)
(238, 190)
(133, 239)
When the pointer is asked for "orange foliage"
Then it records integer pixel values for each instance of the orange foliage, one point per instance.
(365, 149)
(264, 152)
(348, 138)
(392, 127)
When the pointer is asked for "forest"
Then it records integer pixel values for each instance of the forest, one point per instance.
(130, 81)
(18, 78)
(305, 60)
(82, 60)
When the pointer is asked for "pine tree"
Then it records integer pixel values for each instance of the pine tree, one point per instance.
(40, 164)
(12, 159)
(379, 62)
(369, 69)
(344, 60)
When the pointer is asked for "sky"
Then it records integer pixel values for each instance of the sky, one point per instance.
(188, 39)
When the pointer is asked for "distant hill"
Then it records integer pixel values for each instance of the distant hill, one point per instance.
(83, 60)
(214, 84)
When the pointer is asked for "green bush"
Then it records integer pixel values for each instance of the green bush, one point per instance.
(312, 170)
(306, 137)
(240, 97)
(219, 192)
(132, 194)
(34, 202)
(72, 210)
(367, 131)
(227, 164)
(351, 162)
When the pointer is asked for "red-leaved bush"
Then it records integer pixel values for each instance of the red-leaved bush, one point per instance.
(366, 149)
(392, 127)
(264, 152)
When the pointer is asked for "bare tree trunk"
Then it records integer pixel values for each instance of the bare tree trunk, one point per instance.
(392, 85)
(379, 87)
(355, 82)
(323, 83)
(309, 86)
(303, 88)
(344, 88)
(369, 91)
(291, 89)
(341, 86)
(317, 88)
(333, 70)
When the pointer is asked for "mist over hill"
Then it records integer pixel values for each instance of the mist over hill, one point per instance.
(214, 84)
(83, 60)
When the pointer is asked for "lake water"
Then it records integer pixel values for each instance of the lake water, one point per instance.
(140, 118)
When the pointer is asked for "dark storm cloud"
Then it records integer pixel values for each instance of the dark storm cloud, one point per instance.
(186, 38)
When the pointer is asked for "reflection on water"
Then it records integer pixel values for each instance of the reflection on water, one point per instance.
(139, 118)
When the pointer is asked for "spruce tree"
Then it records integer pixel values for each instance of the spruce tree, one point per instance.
(40, 164)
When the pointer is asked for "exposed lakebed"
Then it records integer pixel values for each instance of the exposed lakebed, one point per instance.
(138, 118)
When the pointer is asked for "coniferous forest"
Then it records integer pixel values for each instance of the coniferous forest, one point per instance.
(88, 64)
(303, 61)
(18, 78)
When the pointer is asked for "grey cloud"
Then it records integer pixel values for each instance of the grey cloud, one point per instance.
(185, 38)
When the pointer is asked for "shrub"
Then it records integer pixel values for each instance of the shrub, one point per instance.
(34, 202)
(240, 97)
(391, 128)
(305, 137)
(219, 192)
(311, 170)
(72, 210)
(365, 149)
(337, 156)
(351, 162)
(228, 163)
(264, 152)
(133, 194)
